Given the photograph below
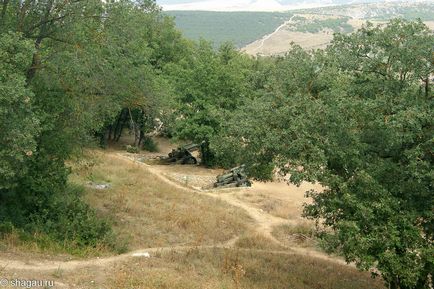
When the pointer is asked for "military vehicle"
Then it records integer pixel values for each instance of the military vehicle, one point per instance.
(235, 177)
(182, 155)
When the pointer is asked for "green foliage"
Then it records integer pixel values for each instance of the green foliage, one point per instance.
(21, 122)
(358, 120)
(6, 228)
(316, 25)
(69, 220)
(207, 86)
(149, 144)
(240, 28)
(132, 149)
(66, 71)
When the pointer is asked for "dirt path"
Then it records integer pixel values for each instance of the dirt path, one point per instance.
(266, 37)
(264, 224)
(98, 262)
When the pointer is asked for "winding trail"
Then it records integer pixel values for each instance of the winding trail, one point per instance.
(266, 37)
(264, 224)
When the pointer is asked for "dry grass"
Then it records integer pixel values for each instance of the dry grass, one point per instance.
(280, 42)
(236, 269)
(302, 235)
(274, 206)
(212, 269)
(150, 213)
(254, 240)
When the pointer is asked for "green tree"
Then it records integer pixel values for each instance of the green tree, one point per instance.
(207, 85)
(354, 119)
(67, 69)
(19, 124)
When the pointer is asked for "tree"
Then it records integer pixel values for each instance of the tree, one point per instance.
(16, 114)
(354, 120)
(67, 69)
(207, 85)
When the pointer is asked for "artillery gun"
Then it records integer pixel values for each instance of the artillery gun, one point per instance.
(235, 177)
(182, 155)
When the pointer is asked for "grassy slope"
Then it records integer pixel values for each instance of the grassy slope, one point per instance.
(238, 269)
(152, 213)
(240, 28)
(149, 213)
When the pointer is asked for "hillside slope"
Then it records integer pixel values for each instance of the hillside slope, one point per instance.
(239, 28)
(262, 32)
(187, 237)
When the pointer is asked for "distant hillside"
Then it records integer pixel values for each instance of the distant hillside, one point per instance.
(256, 5)
(314, 28)
(241, 28)
(409, 10)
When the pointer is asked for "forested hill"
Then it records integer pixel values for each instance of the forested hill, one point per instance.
(239, 28)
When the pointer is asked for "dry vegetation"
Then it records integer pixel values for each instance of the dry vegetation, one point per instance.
(278, 199)
(255, 240)
(213, 268)
(300, 235)
(150, 213)
(280, 42)
(227, 268)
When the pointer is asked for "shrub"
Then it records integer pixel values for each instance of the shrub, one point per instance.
(132, 149)
(149, 144)
(6, 228)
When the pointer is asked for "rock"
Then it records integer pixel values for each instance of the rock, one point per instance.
(99, 186)
(144, 254)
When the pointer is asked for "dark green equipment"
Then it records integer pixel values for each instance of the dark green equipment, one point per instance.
(235, 177)
(182, 155)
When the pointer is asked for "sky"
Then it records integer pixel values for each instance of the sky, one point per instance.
(252, 5)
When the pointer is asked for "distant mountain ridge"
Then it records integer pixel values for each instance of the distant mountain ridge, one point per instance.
(263, 5)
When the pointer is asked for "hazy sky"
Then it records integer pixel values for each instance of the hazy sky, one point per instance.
(252, 5)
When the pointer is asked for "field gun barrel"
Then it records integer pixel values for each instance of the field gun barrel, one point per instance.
(235, 177)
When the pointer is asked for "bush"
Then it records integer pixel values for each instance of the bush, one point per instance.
(149, 145)
(70, 221)
(132, 149)
(43, 208)
(6, 228)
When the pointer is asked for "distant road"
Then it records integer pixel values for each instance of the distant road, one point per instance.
(266, 37)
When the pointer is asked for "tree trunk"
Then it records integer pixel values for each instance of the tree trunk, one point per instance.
(395, 283)
(42, 34)
(142, 136)
(3, 13)
(110, 130)
(135, 128)
(120, 124)
(36, 61)
(427, 87)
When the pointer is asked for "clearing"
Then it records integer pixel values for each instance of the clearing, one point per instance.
(196, 238)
